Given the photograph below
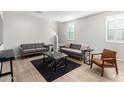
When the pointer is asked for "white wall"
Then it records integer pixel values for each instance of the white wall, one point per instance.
(22, 28)
(91, 30)
(1, 29)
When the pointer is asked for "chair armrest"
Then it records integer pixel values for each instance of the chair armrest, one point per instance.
(107, 59)
(95, 54)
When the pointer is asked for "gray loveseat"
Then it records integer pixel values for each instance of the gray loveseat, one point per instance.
(33, 48)
(74, 50)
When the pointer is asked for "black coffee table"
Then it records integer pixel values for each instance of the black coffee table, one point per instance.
(56, 58)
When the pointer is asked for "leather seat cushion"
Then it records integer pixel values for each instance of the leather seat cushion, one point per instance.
(99, 62)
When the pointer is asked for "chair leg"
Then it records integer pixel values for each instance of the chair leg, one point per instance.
(116, 68)
(102, 71)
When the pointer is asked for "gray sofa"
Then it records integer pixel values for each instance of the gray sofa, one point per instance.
(74, 50)
(34, 48)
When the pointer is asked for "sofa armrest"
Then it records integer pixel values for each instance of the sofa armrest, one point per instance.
(87, 50)
(20, 48)
(48, 46)
(62, 46)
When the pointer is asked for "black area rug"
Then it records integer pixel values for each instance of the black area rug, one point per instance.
(48, 73)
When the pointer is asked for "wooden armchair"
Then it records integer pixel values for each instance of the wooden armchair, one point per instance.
(107, 60)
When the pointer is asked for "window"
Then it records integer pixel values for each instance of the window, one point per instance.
(71, 31)
(115, 28)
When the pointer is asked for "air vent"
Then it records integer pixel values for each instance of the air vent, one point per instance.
(39, 12)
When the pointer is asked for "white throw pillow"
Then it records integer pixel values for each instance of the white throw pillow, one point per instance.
(67, 45)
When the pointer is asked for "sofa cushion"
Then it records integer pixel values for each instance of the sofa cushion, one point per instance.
(28, 50)
(32, 46)
(67, 45)
(34, 50)
(99, 62)
(38, 45)
(41, 49)
(75, 46)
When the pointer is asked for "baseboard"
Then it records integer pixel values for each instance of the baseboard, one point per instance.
(19, 56)
(120, 60)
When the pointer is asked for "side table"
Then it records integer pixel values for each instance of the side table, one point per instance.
(87, 53)
(7, 56)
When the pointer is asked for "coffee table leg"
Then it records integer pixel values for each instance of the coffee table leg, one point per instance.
(1, 68)
(43, 58)
(11, 67)
(55, 65)
(89, 58)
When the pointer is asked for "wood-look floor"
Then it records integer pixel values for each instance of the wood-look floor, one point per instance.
(24, 71)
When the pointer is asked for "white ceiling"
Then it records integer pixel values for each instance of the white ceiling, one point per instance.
(63, 16)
